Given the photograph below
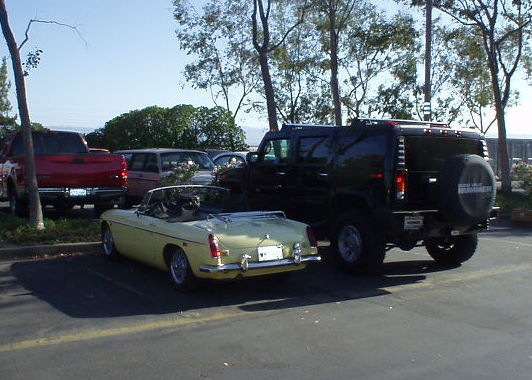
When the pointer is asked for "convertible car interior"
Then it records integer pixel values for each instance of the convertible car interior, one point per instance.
(183, 204)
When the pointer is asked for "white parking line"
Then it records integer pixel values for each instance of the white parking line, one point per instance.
(507, 241)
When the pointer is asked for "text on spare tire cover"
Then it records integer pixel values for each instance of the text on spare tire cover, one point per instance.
(474, 188)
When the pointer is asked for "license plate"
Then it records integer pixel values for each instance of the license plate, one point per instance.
(270, 252)
(413, 222)
(77, 192)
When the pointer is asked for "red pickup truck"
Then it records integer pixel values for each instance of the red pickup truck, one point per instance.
(67, 172)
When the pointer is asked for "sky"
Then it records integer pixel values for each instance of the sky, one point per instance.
(125, 57)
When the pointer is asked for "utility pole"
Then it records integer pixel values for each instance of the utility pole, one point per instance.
(428, 58)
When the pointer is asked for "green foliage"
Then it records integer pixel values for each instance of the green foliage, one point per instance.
(8, 124)
(181, 175)
(219, 37)
(523, 172)
(18, 231)
(513, 201)
(182, 126)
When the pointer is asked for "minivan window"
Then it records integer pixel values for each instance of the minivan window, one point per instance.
(172, 160)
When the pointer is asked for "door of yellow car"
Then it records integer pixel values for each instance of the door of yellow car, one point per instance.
(138, 239)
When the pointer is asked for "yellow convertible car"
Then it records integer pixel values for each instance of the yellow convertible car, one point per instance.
(187, 231)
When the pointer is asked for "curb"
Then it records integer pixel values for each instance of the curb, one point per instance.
(48, 251)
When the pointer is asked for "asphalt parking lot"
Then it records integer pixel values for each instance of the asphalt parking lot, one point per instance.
(81, 316)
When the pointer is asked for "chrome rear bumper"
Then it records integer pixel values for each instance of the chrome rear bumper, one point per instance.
(258, 265)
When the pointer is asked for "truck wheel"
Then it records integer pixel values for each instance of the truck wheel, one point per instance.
(179, 271)
(356, 245)
(108, 243)
(452, 250)
(99, 208)
(16, 205)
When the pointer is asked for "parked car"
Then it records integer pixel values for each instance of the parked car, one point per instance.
(185, 230)
(67, 173)
(147, 166)
(374, 185)
(234, 158)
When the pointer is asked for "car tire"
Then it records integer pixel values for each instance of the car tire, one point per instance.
(452, 250)
(17, 207)
(101, 207)
(108, 243)
(356, 245)
(180, 272)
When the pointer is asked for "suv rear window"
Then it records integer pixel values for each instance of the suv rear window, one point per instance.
(423, 153)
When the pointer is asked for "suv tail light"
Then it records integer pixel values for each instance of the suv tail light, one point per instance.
(213, 244)
(400, 184)
(311, 237)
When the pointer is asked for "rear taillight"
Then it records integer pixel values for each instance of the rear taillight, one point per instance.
(400, 184)
(213, 245)
(123, 171)
(311, 237)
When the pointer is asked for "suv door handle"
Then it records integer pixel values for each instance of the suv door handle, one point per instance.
(323, 175)
(280, 173)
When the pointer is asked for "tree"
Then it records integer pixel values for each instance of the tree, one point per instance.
(262, 42)
(36, 216)
(336, 15)
(503, 28)
(219, 36)
(8, 124)
(182, 126)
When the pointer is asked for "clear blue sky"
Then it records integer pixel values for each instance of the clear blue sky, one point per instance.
(128, 59)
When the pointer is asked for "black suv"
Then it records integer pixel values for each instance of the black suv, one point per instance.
(375, 185)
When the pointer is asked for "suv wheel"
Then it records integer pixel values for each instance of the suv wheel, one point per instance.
(356, 245)
(452, 250)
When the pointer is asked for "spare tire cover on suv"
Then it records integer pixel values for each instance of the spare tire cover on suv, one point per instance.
(466, 189)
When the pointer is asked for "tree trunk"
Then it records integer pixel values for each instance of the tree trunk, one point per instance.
(268, 91)
(333, 51)
(36, 216)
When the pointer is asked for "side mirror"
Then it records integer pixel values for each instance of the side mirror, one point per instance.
(252, 157)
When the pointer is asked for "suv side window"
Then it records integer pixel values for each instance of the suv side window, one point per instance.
(137, 162)
(275, 152)
(361, 153)
(313, 150)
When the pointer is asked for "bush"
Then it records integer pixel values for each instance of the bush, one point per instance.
(219, 169)
(14, 230)
(181, 175)
(523, 172)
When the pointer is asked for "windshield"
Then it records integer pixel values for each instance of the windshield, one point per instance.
(172, 160)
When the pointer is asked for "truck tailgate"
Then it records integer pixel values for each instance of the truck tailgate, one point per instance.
(80, 170)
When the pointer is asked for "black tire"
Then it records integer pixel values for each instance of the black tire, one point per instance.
(179, 271)
(452, 250)
(108, 243)
(466, 189)
(17, 206)
(101, 207)
(357, 246)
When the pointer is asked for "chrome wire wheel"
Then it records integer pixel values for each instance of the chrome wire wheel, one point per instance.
(108, 243)
(350, 243)
(179, 268)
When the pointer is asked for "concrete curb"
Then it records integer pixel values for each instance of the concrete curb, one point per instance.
(47, 251)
